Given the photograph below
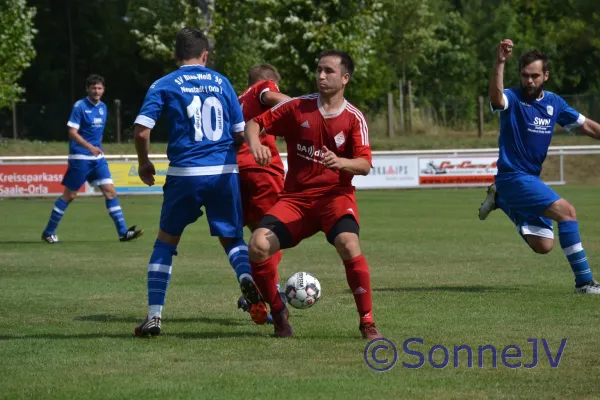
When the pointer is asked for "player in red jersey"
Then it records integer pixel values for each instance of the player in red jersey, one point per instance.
(260, 185)
(328, 143)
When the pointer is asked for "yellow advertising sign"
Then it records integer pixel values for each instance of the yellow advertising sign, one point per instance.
(126, 179)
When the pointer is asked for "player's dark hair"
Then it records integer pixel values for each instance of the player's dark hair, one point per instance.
(190, 43)
(263, 72)
(533, 56)
(345, 59)
(94, 80)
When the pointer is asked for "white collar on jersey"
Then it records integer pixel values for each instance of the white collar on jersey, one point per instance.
(330, 115)
(543, 94)
(193, 65)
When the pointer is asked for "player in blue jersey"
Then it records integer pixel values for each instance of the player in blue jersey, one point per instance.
(87, 162)
(205, 125)
(528, 115)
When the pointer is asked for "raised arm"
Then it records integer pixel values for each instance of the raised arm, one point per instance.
(496, 88)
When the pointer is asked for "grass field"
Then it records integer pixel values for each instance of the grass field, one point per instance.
(438, 273)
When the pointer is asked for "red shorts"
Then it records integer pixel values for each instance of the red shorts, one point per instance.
(260, 191)
(305, 216)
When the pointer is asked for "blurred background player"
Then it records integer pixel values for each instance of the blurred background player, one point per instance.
(260, 185)
(204, 119)
(528, 115)
(328, 143)
(87, 162)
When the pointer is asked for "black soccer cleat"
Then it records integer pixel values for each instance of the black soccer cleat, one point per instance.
(150, 327)
(48, 238)
(132, 233)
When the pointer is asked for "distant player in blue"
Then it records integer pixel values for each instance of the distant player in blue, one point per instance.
(87, 162)
(205, 124)
(528, 116)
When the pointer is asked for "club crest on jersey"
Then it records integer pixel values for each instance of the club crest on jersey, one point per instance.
(339, 139)
(550, 110)
(101, 111)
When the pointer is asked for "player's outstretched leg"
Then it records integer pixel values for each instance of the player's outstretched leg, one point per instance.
(344, 236)
(58, 211)
(114, 209)
(243, 303)
(60, 206)
(263, 245)
(570, 241)
(237, 252)
(159, 274)
(489, 204)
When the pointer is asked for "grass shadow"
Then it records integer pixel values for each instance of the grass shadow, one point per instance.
(205, 320)
(183, 335)
(461, 289)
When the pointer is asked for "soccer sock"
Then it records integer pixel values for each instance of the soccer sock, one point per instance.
(359, 280)
(58, 211)
(264, 274)
(568, 234)
(115, 212)
(159, 273)
(276, 258)
(237, 252)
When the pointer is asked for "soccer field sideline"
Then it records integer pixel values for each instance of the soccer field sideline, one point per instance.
(438, 274)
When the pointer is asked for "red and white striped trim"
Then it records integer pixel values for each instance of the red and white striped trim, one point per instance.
(364, 130)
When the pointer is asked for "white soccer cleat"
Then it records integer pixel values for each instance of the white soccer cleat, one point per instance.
(592, 287)
(489, 204)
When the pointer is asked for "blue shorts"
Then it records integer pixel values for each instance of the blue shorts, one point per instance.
(183, 196)
(526, 198)
(96, 172)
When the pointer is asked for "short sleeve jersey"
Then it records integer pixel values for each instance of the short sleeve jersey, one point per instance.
(307, 128)
(526, 128)
(252, 106)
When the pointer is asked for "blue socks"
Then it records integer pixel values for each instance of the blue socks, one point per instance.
(115, 212)
(568, 234)
(159, 274)
(58, 211)
(237, 252)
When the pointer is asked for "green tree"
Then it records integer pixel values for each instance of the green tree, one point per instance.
(16, 47)
(154, 24)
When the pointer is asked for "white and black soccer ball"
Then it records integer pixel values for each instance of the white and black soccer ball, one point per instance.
(302, 290)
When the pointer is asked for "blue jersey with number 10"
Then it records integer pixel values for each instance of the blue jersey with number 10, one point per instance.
(203, 113)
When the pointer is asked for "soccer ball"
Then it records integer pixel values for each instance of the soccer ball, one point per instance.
(302, 290)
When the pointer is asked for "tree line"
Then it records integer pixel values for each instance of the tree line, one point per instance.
(444, 47)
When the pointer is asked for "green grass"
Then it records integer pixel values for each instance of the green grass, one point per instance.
(438, 273)
(9, 147)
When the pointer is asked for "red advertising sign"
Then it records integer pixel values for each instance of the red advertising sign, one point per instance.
(457, 170)
(24, 180)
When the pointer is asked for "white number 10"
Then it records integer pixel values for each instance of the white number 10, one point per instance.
(202, 118)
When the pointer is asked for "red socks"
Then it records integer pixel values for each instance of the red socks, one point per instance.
(359, 280)
(266, 277)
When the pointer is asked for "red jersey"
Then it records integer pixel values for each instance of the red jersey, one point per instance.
(252, 106)
(306, 128)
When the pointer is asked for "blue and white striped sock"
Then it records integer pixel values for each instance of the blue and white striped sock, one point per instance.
(159, 274)
(239, 258)
(115, 212)
(60, 206)
(568, 234)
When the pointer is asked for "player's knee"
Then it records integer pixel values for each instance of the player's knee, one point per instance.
(109, 192)
(259, 247)
(542, 246)
(69, 195)
(570, 213)
(347, 245)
